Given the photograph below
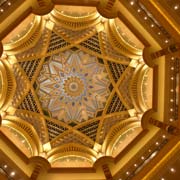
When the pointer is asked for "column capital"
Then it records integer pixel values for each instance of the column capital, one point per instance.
(108, 8)
(40, 164)
(42, 7)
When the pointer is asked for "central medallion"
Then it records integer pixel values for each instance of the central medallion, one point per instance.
(72, 86)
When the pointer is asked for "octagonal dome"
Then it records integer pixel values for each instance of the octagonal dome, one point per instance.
(77, 81)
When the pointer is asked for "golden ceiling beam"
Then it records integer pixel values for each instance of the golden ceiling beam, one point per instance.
(167, 21)
(137, 26)
(14, 18)
(13, 153)
(151, 169)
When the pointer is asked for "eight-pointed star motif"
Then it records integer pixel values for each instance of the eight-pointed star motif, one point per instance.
(73, 86)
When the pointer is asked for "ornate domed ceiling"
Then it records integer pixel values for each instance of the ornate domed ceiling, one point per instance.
(72, 86)
(77, 84)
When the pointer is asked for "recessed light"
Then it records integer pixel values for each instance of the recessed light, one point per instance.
(176, 7)
(12, 173)
(145, 18)
(139, 10)
(142, 157)
(171, 120)
(152, 25)
(132, 3)
(172, 170)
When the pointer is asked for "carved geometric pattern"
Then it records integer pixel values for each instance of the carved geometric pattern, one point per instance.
(116, 70)
(90, 130)
(92, 43)
(56, 42)
(35, 121)
(72, 86)
(29, 103)
(71, 137)
(108, 123)
(109, 50)
(30, 67)
(21, 87)
(116, 105)
(54, 129)
(125, 86)
(73, 36)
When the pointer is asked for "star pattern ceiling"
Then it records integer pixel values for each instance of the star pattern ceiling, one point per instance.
(72, 84)
(77, 86)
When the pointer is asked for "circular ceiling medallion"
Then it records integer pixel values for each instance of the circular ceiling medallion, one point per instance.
(73, 86)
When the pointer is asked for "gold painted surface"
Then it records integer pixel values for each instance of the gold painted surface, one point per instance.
(39, 120)
(28, 100)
